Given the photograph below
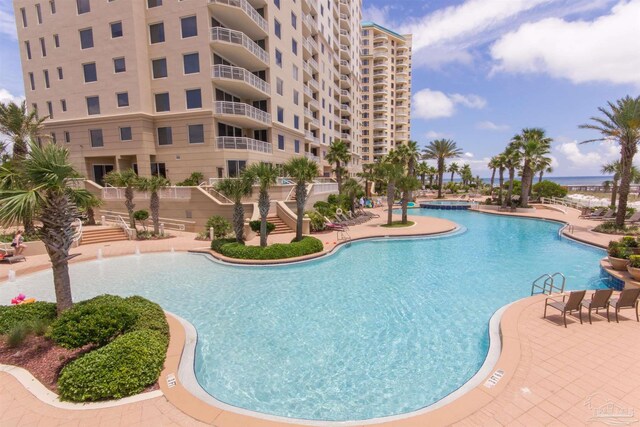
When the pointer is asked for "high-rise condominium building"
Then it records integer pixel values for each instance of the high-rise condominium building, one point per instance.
(172, 87)
(386, 90)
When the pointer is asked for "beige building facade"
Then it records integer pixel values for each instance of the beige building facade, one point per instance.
(172, 87)
(386, 91)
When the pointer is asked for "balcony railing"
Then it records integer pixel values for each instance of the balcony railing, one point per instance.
(242, 109)
(311, 156)
(248, 9)
(242, 143)
(238, 37)
(238, 73)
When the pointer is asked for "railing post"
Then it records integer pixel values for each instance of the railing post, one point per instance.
(161, 228)
(103, 220)
(211, 233)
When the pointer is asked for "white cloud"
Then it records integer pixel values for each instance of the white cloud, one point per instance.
(489, 125)
(7, 22)
(379, 15)
(6, 96)
(468, 155)
(433, 104)
(432, 134)
(579, 157)
(603, 50)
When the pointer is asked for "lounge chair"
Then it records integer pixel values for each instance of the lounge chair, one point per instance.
(634, 218)
(333, 225)
(595, 214)
(628, 298)
(568, 306)
(7, 254)
(599, 299)
(609, 215)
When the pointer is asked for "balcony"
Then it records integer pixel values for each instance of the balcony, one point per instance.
(308, 135)
(314, 64)
(345, 136)
(240, 81)
(242, 14)
(244, 144)
(345, 81)
(314, 84)
(307, 92)
(310, 24)
(239, 48)
(314, 104)
(346, 123)
(242, 114)
(312, 156)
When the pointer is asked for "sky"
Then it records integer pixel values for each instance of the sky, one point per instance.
(485, 69)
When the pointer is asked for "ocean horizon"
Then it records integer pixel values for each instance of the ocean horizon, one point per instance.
(562, 180)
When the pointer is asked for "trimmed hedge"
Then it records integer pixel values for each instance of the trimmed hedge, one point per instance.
(95, 321)
(306, 246)
(122, 368)
(13, 315)
(217, 244)
(150, 316)
(255, 226)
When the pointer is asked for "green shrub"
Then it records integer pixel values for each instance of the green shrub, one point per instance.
(39, 326)
(255, 226)
(217, 244)
(618, 250)
(11, 315)
(17, 334)
(194, 180)
(122, 368)
(149, 315)
(141, 215)
(634, 261)
(221, 226)
(318, 222)
(324, 208)
(95, 321)
(550, 189)
(629, 242)
(306, 246)
(610, 227)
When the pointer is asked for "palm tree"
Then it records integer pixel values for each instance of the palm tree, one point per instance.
(339, 154)
(432, 172)
(303, 171)
(47, 199)
(466, 174)
(615, 168)
(406, 184)
(236, 189)
(352, 189)
(409, 155)
(266, 176)
(390, 173)
(13, 178)
(368, 174)
(153, 185)
(454, 168)
(87, 201)
(512, 161)
(493, 165)
(129, 180)
(422, 170)
(542, 166)
(440, 150)
(621, 123)
(21, 126)
(532, 144)
(501, 164)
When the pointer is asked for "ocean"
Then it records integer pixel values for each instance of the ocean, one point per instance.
(562, 180)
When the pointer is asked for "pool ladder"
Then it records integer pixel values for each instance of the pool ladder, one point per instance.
(546, 284)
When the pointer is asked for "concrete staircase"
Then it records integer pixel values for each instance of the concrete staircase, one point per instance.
(102, 235)
(281, 227)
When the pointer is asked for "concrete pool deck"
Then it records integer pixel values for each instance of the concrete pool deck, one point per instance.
(551, 375)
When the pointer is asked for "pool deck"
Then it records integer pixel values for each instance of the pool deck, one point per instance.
(552, 375)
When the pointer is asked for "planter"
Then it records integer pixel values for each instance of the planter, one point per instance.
(636, 251)
(618, 264)
(634, 272)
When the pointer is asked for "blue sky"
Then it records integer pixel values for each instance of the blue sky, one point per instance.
(485, 69)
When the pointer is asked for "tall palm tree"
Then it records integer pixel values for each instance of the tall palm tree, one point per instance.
(390, 173)
(621, 123)
(129, 180)
(21, 126)
(454, 168)
(303, 171)
(512, 159)
(351, 189)
(47, 199)
(422, 170)
(432, 172)
(542, 166)
(368, 175)
(236, 189)
(493, 165)
(501, 164)
(532, 143)
(409, 155)
(266, 176)
(12, 177)
(440, 150)
(615, 168)
(87, 201)
(466, 174)
(406, 184)
(339, 154)
(153, 185)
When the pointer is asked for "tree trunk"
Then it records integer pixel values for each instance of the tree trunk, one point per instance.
(493, 176)
(540, 177)
(391, 191)
(431, 181)
(154, 205)
(501, 178)
(452, 176)
(339, 176)
(526, 184)
(625, 181)
(440, 176)
(614, 193)
(91, 216)
(238, 221)
(263, 207)
(29, 228)
(128, 202)
(301, 200)
(405, 206)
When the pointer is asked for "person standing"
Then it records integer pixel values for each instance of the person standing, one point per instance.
(18, 243)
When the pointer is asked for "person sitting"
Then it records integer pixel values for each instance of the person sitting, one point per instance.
(18, 243)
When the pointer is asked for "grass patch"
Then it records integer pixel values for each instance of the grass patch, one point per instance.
(398, 224)
(610, 227)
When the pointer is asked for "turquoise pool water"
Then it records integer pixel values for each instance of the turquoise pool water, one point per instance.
(381, 328)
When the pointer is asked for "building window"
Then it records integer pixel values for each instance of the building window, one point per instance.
(162, 102)
(189, 27)
(196, 134)
(278, 58)
(23, 13)
(83, 6)
(159, 68)
(281, 114)
(156, 33)
(56, 40)
(165, 136)
(296, 97)
(116, 30)
(96, 137)
(294, 46)
(277, 28)
(119, 65)
(279, 86)
(194, 98)
(90, 72)
(52, 5)
(154, 3)
(123, 99)
(280, 142)
(39, 13)
(47, 84)
(295, 72)
(191, 63)
(27, 48)
(50, 109)
(93, 105)
(43, 47)
(86, 38)
(296, 122)
(294, 20)
(296, 145)
(235, 167)
(126, 134)
(277, 3)
(67, 137)
(63, 104)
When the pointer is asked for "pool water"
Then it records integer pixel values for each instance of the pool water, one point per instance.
(381, 328)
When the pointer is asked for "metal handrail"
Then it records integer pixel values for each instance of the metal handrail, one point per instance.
(243, 143)
(242, 109)
(77, 236)
(248, 9)
(220, 71)
(238, 37)
(548, 286)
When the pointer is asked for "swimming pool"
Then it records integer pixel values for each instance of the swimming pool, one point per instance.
(381, 328)
(447, 204)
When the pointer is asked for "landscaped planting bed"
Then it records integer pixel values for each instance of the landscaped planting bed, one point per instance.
(306, 246)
